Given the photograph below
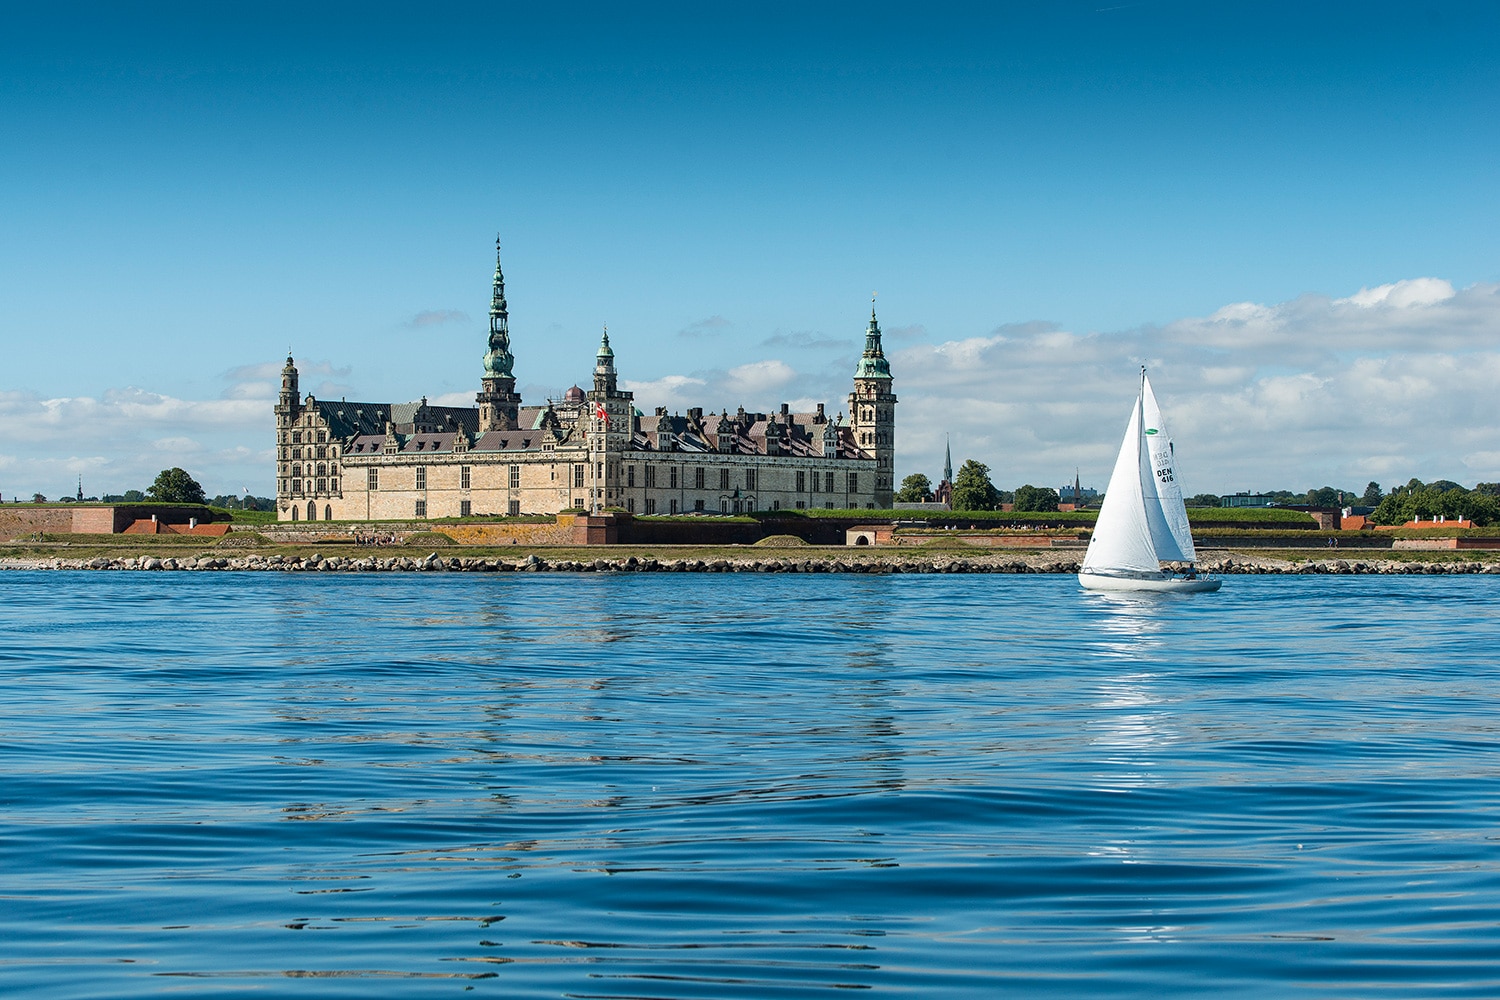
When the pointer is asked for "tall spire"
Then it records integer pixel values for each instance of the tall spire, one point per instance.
(947, 460)
(872, 364)
(498, 360)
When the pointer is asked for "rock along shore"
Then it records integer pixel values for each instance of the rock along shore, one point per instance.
(1234, 563)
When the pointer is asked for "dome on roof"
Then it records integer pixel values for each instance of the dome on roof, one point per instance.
(573, 395)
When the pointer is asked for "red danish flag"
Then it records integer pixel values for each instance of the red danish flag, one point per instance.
(601, 412)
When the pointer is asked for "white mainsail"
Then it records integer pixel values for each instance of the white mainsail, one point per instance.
(1122, 539)
(1143, 521)
(1165, 510)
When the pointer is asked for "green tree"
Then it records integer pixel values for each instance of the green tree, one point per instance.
(1372, 495)
(915, 488)
(176, 486)
(1325, 497)
(1036, 498)
(972, 489)
(133, 496)
(1204, 500)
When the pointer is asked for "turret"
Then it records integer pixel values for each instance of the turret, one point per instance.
(605, 378)
(287, 402)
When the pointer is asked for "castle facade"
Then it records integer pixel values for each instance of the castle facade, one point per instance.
(589, 450)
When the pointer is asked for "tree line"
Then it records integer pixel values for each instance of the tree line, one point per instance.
(973, 490)
(176, 485)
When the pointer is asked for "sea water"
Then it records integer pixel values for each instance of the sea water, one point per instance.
(674, 786)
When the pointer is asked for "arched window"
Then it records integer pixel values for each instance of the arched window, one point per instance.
(312, 511)
(328, 512)
(294, 512)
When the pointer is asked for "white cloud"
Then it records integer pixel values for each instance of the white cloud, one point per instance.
(759, 377)
(1402, 294)
(1390, 383)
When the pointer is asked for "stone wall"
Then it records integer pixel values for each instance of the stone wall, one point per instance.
(20, 519)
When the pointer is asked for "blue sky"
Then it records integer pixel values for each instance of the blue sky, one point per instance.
(1044, 194)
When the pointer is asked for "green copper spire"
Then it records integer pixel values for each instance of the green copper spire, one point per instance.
(872, 364)
(606, 381)
(498, 361)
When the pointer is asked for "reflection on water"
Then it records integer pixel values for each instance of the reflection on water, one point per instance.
(663, 786)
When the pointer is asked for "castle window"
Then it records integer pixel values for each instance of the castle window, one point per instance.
(800, 505)
(672, 477)
(422, 478)
(312, 512)
(578, 478)
(853, 482)
(698, 504)
(327, 512)
(801, 482)
(464, 508)
(775, 504)
(723, 479)
(674, 505)
(322, 486)
(650, 475)
(630, 505)
(698, 479)
(297, 470)
(514, 477)
(629, 476)
(322, 436)
(322, 469)
(307, 486)
(463, 477)
(650, 506)
(514, 508)
(322, 451)
(827, 482)
(749, 479)
(421, 508)
(296, 437)
(372, 478)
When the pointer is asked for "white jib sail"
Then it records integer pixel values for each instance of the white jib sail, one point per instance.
(1165, 511)
(1122, 539)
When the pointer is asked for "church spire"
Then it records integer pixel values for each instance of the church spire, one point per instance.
(498, 361)
(947, 460)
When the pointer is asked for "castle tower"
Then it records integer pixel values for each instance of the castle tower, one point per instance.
(498, 401)
(609, 416)
(872, 408)
(288, 409)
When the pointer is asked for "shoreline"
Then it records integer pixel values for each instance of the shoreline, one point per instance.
(869, 562)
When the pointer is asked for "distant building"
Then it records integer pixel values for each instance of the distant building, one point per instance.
(1247, 500)
(339, 460)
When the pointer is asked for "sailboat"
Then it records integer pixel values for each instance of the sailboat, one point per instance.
(1143, 522)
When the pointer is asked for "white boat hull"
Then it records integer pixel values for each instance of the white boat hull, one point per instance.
(1164, 584)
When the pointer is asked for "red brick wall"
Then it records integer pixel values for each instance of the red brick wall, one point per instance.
(20, 519)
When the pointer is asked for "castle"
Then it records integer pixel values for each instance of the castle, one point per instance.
(589, 450)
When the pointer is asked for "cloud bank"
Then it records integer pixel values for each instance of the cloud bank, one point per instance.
(1389, 382)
